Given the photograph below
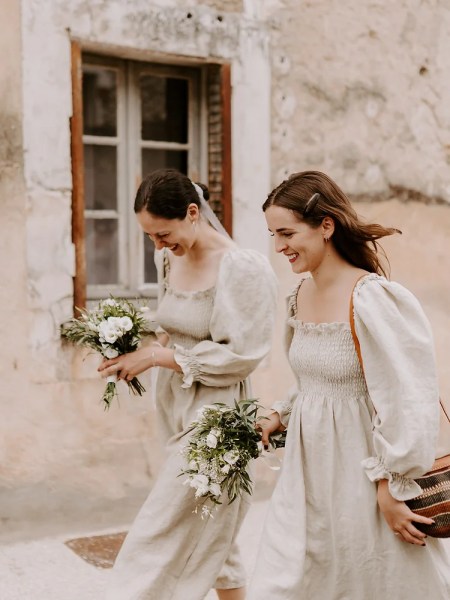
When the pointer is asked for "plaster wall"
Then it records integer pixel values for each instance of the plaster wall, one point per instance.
(360, 90)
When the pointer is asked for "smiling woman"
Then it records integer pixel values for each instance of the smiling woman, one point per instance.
(338, 525)
(216, 310)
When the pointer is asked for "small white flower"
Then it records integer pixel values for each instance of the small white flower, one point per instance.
(110, 336)
(226, 469)
(193, 465)
(110, 352)
(201, 485)
(125, 323)
(211, 440)
(114, 322)
(215, 490)
(109, 302)
(92, 326)
(144, 309)
(199, 481)
(231, 457)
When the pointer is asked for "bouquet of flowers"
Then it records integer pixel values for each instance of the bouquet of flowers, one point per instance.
(223, 441)
(115, 327)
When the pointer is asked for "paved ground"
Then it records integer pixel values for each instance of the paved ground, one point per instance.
(47, 569)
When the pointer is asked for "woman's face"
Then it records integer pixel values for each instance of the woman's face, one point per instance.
(178, 235)
(303, 245)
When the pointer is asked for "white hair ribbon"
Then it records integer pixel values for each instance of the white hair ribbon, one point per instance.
(208, 212)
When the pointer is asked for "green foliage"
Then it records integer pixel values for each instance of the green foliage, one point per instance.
(223, 441)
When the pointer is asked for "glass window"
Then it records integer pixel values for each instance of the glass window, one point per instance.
(164, 102)
(99, 102)
(100, 177)
(137, 118)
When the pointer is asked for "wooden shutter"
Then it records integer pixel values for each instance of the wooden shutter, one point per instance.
(78, 227)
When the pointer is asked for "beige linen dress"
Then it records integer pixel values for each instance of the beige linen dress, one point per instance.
(219, 336)
(325, 537)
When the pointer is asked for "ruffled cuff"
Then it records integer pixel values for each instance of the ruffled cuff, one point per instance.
(284, 409)
(400, 487)
(189, 365)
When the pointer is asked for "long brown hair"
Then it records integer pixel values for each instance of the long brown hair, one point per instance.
(312, 196)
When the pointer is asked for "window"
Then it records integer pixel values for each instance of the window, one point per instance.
(130, 118)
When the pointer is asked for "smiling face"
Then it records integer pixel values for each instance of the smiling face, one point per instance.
(303, 245)
(178, 235)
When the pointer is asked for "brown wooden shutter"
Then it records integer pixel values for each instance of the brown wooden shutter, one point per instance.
(219, 143)
(78, 226)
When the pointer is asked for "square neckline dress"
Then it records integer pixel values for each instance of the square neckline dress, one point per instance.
(324, 537)
(170, 553)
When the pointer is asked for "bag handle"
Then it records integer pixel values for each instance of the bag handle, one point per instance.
(358, 345)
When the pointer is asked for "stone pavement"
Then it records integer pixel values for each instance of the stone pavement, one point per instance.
(52, 569)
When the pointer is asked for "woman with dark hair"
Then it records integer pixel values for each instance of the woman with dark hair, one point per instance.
(216, 311)
(358, 434)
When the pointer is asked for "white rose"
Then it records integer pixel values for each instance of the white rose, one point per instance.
(231, 457)
(199, 481)
(110, 336)
(114, 322)
(211, 440)
(110, 352)
(201, 485)
(126, 323)
(215, 490)
(107, 333)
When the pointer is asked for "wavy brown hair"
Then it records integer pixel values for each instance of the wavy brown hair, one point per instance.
(312, 196)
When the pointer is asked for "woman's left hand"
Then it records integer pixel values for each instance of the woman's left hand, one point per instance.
(399, 517)
(128, 365)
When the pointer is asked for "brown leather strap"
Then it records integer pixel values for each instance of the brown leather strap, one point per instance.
(352, 324)
(358, 345)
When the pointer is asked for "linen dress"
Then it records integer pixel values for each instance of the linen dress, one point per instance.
(219, 336)
(324, 536)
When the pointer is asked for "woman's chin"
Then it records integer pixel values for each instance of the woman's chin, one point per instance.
(177, 250)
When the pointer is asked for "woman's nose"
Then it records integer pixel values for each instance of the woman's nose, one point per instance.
(159, 245)
(280, 244)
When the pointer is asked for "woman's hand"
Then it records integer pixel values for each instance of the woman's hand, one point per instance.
(128, 365)
(399, 517)
(268, 425)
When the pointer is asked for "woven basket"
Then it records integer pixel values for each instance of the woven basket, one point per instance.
(434, 502)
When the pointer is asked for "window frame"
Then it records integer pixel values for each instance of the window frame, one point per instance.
(130, 165)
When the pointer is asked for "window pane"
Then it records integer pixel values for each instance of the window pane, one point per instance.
(149, 262)
(99, 102)
(162, 159)
(100, 177)
(164, 104)
(102, 251)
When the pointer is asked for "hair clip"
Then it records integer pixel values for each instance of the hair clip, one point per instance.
(311, 204)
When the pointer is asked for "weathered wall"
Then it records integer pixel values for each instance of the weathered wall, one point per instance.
(360, 91)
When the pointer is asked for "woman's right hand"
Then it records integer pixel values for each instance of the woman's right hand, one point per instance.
(267, 425)
(399, 517)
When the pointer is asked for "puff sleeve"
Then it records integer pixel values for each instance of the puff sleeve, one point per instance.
(399, 366)
(241, 323)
